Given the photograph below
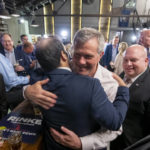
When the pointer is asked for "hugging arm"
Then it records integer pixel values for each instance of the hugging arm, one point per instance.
(39, 96)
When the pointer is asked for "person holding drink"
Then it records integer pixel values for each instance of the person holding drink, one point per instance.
(15, 140)
(17, 58)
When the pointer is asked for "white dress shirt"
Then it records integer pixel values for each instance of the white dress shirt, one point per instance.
(133, 79)
(101, 138)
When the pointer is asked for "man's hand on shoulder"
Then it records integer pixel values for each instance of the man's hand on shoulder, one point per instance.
(119, 80)
(68, 139)
(39, 96)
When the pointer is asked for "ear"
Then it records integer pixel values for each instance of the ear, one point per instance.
(147, 60)
(101, 54)
(64, 56)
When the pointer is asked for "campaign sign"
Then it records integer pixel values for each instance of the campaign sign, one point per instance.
(29, 125)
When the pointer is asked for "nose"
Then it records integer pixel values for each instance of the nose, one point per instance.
(129, 63)
(82, 60)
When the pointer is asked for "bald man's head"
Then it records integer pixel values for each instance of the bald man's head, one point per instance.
(135, 60)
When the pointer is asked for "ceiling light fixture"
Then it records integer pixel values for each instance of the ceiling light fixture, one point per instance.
(14, 12)
(4, 14)
(34, 24)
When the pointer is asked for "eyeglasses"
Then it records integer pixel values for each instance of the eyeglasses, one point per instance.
(8, 41)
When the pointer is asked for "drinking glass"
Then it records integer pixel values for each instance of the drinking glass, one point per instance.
(16, 64)
(15, 140)
(1, 138)
(1, 133)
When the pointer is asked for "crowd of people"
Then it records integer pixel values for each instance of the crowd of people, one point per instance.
(84, 104)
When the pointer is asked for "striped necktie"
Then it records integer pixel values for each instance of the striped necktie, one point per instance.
(127, 80)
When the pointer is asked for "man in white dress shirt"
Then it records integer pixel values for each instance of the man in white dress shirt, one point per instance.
(88, 49)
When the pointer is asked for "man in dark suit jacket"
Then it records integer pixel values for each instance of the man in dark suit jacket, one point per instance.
(28, 49)
(18, 59)
(82, 105)
(110, 52)
(137, 122)
(3, 102)
(24, 39)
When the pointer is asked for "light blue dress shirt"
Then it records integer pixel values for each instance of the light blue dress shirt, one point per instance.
(114, 53)
(9, 75)
(11, 56)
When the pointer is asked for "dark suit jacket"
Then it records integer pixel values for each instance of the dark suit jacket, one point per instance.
(108, 55)
(137, 122)
(21, 57)
(3, 102)
(19, 47)
(32, 55)
(82, 106)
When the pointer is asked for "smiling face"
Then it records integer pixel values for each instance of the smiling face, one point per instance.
(135, 61)
(86, 58)
(7, 42)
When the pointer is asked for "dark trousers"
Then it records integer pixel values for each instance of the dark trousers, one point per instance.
(118, 144)
(14, 96)
(3, 101)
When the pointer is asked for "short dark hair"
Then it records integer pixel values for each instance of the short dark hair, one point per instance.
(48, 53)
(23, 35)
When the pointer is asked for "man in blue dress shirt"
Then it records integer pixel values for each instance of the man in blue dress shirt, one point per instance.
(13, 82)
(17, 58)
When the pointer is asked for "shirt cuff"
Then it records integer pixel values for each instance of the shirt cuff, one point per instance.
(86, 144)
(24, 88)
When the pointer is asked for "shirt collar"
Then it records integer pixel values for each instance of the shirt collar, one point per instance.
(133, 79)
(98, 72)
(66, 68)
(6, 51)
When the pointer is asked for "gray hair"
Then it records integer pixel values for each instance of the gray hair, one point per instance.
(3, 34)
(86, 34)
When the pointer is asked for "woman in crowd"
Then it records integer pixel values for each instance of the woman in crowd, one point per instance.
(119, 58)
